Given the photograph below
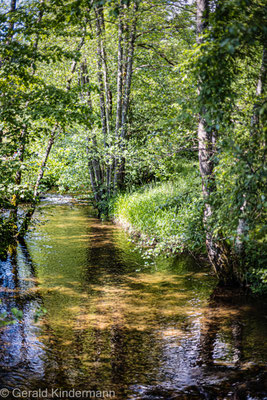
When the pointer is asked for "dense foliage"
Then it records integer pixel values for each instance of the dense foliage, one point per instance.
(105, 97)
(166, 217)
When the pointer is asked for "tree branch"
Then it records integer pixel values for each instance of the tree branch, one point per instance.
(159, 53)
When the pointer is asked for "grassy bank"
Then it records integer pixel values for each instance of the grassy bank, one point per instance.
(166, 216)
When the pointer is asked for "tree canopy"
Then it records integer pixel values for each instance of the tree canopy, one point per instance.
(107, 96)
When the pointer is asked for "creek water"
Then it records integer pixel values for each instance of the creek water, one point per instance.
(120, 324)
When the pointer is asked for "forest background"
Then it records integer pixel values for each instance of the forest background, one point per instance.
(155, 109)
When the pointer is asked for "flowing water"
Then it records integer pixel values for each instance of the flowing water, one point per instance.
(119, 326)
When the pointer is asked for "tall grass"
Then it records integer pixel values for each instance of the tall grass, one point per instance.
(166, 216)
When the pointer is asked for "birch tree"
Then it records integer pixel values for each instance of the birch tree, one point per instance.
(217, 251)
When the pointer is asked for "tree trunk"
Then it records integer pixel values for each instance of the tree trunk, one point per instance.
(119, 94)
(28, 216)
(20, 153)
(217, 250)
(100, 80)
(119, 171)
(23, 136)
(128, 79)
(43, 165)
(108, 93)
(74, 63)
(15, 198)
(91, 148)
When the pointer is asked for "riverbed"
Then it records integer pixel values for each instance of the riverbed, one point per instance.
(99, 317)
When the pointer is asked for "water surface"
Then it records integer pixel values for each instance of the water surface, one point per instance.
(114, 322)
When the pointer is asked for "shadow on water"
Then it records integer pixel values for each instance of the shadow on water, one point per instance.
(158, 331)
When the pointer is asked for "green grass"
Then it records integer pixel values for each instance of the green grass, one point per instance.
(166, 216)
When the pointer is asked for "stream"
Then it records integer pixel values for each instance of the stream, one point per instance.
(120, 324)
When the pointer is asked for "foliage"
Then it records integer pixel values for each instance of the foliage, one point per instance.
(232, 103)
(257, 279)
(105, 97)
(167, 216)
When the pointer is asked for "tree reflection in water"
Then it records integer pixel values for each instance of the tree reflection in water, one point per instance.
(147, 332)
(21, 351)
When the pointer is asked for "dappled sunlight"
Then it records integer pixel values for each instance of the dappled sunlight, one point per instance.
(112, 318)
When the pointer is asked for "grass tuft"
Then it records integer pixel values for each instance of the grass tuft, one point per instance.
(166, 216)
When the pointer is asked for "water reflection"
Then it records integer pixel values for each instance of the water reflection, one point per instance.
(21, 351)
(147, 332)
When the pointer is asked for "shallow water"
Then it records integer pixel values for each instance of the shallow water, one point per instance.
(116, 323)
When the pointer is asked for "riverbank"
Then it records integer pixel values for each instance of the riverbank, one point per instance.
(166, 217)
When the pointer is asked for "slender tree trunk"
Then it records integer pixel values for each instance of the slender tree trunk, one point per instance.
(129, 72)
(20, 153)
(93, 165)
(20, 157)
(92, 176)
(107, 90)
(91, 148)
(101, 80)
(9, 37)
(119, 93)
(43, 165)
(23, 136)
(28, 216)
(74, 63)
(108, 94)
(217, 250)
(205, 140)
(119, 171)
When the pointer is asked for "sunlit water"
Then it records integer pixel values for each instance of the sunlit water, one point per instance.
(115, 322)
